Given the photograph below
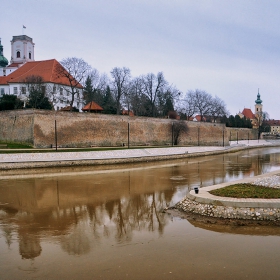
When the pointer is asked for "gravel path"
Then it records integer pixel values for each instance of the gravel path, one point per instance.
(271, 182)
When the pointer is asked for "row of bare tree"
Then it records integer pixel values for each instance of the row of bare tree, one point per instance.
(146, 95)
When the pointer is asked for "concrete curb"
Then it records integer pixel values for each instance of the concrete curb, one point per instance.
(204, 197)
(45, 160)
(206, 204)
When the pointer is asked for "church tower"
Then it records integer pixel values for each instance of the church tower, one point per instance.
(22, 49)
(258, 111)
(3, 61)
(258, 105)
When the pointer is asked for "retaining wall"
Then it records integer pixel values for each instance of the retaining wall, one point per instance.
(37, 127)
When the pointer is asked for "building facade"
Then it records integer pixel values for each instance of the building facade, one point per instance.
(20, 76)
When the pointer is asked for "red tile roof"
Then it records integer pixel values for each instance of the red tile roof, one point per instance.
(198, 118)
(248, 113)
(45, 68)
(92, 106)
(128, 113)
(273, 122)
(15, 64)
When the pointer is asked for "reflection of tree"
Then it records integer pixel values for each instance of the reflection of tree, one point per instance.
(154, 210)
(29, 246)
(77, 243)
(84, 213)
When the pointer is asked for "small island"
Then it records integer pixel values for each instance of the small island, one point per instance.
(245, 201)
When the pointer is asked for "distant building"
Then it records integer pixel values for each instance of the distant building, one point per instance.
(13, 77)
(57, 88)
(257, 117)
(198, 118)
(274, 126)
(128, 113)
(92, 107)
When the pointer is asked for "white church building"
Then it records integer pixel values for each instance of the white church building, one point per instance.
(22, 66)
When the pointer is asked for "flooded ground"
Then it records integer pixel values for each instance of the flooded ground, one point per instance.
(107, 223)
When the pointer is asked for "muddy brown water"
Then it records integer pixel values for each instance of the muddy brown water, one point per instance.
(108, 223)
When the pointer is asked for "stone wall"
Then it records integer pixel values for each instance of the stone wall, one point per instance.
(235, 134)
(37, 127)
(224, 212)
(17, 126)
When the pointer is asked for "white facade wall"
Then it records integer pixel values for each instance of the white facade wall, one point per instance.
(59, 95)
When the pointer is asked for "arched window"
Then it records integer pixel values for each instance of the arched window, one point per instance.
(18, 54)
(29, 55)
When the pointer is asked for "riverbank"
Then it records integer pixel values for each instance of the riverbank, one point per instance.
(67, 159)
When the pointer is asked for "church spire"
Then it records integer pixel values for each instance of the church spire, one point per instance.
(258, 101)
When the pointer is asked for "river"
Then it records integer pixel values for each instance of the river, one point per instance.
(107, 223)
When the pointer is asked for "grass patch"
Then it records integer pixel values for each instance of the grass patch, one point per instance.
(247, 190)
(14, 146)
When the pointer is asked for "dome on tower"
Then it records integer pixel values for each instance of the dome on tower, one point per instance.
(258, 101)
(3, 60)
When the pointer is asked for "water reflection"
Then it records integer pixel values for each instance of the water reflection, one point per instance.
(82, 209)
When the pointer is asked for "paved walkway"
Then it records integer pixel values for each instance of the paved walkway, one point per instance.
(121, 154)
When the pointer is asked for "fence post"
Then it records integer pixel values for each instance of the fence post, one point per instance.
(55, 134)
(128, 135)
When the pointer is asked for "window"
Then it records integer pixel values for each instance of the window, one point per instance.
(23, 90)
(2, 91)
(43, 88)
(57, 108)
(54, 89)
(15, 91)
(18, 54)
(61, 91)
(29, 55)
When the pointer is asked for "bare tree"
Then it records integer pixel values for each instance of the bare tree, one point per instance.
(186, 105)
(153, 85)
(217, 109)
(178, 127)
(36, 93)
(74, 70)
(136, 93)
(202, 102)
(121, 78)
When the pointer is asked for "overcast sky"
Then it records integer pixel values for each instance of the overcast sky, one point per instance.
(229, 48)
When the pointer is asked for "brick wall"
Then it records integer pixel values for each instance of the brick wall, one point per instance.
(37, 127)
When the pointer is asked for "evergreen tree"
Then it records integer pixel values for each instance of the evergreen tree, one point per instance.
(109, 104)
(38, 100)
(10, 102)
(88, 90)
